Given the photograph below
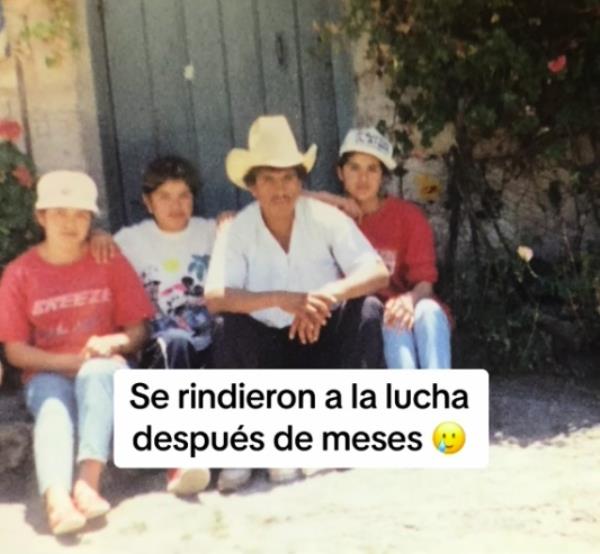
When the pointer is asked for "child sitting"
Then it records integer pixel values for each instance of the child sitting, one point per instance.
(170, 252)
(416, 328)
(68, 322)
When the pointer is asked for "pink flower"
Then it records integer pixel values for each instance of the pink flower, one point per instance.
(22, 174)
(9, 130)
(558, 64)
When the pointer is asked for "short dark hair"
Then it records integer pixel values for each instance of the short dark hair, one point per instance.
(250, 177)
(345, 158)
(167, 168)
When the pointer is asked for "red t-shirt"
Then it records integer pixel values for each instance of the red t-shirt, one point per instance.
(401, 234)
(59, 307)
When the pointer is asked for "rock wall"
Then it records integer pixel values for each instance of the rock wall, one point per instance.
(55, 103)
(545, 210)
(15, 433)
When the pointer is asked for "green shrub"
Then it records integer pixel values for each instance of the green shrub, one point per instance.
(17, 227)
(525, 73)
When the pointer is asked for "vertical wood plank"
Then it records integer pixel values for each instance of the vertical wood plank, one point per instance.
(167, 52)
(278, 49)
(319, 94)
(106, 123)
(343, 78)
(132, 100)
(210, 97)
(244, 71)
(248, 57)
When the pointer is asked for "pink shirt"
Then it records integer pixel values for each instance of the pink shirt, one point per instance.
(59, 307)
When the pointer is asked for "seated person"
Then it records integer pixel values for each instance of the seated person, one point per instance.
(290, 274)
(416, 333)
(170, 253)
(68, 323)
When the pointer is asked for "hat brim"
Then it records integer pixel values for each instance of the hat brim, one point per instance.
(62, 204)
(240, 161)
(387, 161)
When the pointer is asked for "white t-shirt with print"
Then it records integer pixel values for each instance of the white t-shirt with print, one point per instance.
(325, 246)
(173, 268)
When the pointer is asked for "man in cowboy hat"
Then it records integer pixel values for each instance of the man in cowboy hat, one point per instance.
(290, 275)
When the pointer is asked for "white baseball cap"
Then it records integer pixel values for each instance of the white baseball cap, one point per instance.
(369, 141)
(67, 189)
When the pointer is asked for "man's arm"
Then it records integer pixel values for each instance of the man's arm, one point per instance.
(349, 206)
(314, 306)
(365, 280)
(239, 301)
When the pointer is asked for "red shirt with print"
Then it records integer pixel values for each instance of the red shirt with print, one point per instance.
(57, 308)
(401, 234)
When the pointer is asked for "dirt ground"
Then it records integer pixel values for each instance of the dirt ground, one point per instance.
(540, 494)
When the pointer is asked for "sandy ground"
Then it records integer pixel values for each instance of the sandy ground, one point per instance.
(540, 494)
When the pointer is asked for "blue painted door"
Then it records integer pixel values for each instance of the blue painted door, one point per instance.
(189, 77)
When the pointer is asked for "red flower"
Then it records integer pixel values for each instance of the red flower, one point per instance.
(22, 174)
(9, 130)
(558, 64)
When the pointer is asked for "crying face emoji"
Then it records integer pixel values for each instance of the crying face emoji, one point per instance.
(448, 437)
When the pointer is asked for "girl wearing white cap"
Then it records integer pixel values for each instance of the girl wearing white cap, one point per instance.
(416, 331)
(67, 322)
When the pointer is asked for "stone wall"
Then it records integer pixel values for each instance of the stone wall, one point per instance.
(15, 433)
(528, 215)
(55, 104)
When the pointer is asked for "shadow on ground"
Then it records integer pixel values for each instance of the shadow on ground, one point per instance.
(523, 410)
(538, 408)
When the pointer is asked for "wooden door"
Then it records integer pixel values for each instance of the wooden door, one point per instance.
(190, 76)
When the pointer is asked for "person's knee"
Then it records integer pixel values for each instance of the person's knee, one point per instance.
(99, 369)
(428, 309)
(47, 387)
(175, 338)
(372, 308)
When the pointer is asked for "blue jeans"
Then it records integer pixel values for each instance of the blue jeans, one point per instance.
(427, 346)
(64, 407)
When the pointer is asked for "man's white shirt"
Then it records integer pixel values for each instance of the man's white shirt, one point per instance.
(325, 245)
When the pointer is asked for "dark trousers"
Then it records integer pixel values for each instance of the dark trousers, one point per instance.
(351, 339)
(174, 349)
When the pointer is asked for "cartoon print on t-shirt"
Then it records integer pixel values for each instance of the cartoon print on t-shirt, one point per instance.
(181, 304)
(199, 266)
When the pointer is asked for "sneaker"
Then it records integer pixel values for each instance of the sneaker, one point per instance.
(187, 482)
(231, 479)
(283, 475)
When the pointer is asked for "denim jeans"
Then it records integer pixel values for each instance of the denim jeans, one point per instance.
(64, 408)
(426, 346)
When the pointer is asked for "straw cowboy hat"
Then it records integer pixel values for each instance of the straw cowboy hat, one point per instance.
(271, 143)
